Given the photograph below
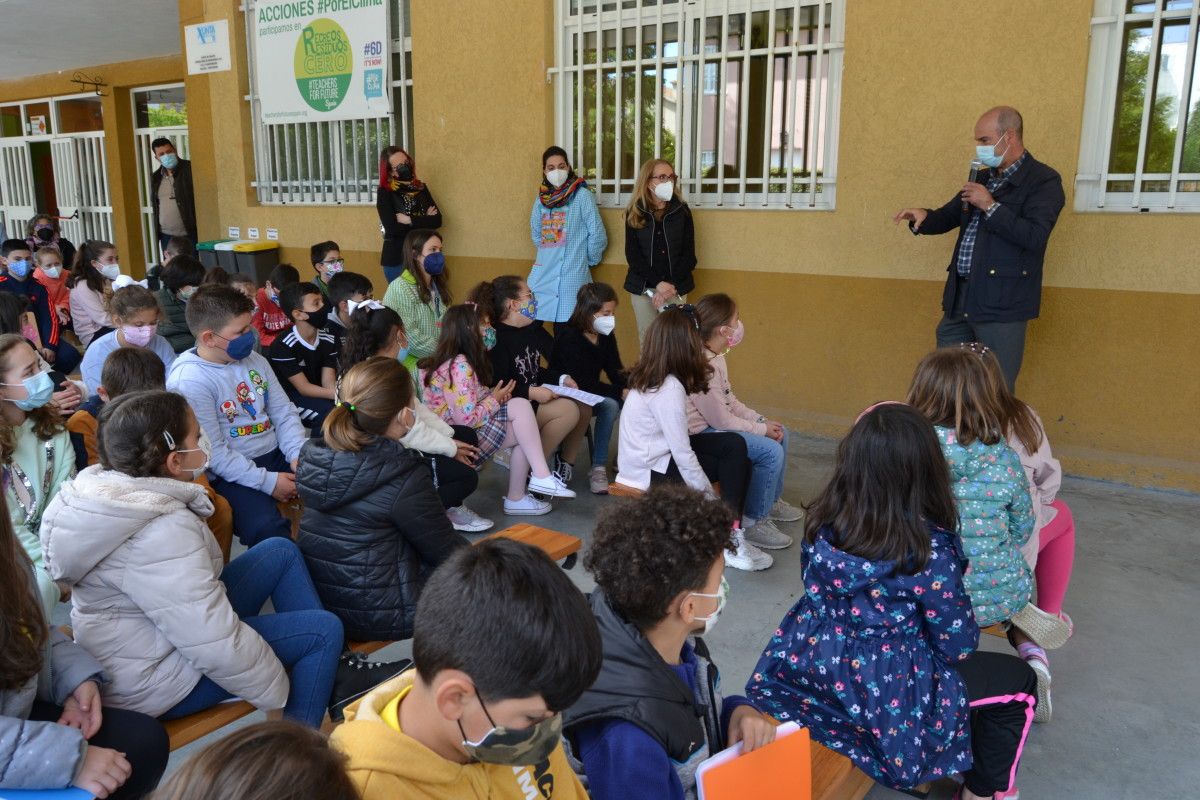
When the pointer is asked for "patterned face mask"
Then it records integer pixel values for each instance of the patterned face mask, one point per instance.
(518, 748)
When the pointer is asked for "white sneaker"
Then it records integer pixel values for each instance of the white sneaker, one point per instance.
(527, 506)
(783, 511)
(502, 458)
(464, 519)
(748, 557)
(766, 535)
(551, 486)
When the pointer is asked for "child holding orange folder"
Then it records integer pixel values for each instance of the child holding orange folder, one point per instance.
(655, 712)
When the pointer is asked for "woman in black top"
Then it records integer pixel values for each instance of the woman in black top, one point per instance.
(403, 203)
(585, 347)
(660, 243)
(523, 347)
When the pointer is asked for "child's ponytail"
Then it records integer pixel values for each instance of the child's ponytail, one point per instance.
(370, 395)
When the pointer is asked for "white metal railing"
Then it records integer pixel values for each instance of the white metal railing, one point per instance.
(630, 84)
(80, 173)
(1161, 170)
(81, 185)
(334, 162)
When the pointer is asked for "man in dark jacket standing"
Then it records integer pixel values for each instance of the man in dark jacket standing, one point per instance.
(1004, 217)
(171, 194)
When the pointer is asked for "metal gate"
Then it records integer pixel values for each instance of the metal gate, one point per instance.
(81, 185)
(146, 165)
(16, 188)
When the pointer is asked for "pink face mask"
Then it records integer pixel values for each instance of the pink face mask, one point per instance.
(138, 335)
(735, 338)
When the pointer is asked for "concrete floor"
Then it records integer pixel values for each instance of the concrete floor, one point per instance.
(1131, 597)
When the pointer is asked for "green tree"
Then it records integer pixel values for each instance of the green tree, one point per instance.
(165, 116)
(1127, 127)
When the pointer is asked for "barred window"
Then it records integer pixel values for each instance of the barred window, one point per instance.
(1141, 134)
(334, 162)
(741, 96)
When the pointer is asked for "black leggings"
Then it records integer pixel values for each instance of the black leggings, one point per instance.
(1002, 690)
(141, 738)
(723, 458)
(454, 480)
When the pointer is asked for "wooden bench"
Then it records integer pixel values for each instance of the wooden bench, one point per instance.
(185, 730)
(621, 490)
(996, 630)
(559, 546)
(834, 777)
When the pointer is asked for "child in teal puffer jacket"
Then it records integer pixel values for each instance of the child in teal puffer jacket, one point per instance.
(996, 514)
(995, 518)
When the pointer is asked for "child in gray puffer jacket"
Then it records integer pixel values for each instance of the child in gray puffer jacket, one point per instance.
(54, 732)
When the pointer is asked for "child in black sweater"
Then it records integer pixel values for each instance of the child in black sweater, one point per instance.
(584, 348)
(520, 354)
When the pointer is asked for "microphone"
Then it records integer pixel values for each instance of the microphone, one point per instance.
(973, 177)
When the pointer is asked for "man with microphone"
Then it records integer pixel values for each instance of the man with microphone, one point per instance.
(1004, 214)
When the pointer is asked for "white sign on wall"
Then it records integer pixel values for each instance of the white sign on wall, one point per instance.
(322, 59)
(207, 47)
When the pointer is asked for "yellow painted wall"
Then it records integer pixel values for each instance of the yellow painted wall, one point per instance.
(838, 305)
(120, 158)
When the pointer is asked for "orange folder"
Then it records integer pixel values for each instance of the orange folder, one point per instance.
(781, 771)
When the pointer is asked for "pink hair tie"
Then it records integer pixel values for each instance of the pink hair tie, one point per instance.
(871, 408)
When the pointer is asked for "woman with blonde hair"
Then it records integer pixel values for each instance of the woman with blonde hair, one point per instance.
(660, 243)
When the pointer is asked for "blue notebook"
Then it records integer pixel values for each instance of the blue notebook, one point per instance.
(45, 794)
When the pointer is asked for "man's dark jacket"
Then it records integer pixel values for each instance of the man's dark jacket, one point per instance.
(1010, 247)
(184, 197)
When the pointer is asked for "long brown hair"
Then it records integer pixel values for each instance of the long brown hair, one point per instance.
(460, 336)
(954, 389)
(22, 624)
(82, 270)
(1017, 418)
(641, 202)
(590, 298)
(277, 760)
(47, 422)
(890, 481)
(370, 395)
(414, 243)
(713, 311)
(672, 347)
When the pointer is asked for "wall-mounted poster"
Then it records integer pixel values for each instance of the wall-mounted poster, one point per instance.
(321, 59)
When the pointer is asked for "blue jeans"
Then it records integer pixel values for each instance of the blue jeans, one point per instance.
(255, 514)
(391, 273)
(605, 414)
(769, 458)
(66, 357)
(305, 637)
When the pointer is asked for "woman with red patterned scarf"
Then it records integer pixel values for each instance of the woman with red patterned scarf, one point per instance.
(403, 203)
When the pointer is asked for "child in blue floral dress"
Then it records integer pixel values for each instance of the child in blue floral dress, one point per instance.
(878, 657)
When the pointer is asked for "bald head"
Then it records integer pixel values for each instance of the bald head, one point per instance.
(1001, 119)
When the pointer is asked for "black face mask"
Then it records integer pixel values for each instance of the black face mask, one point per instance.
(45, 233)
(404, 172)
(318, 319)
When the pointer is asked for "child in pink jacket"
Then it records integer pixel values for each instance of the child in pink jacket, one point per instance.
(455, 381)
(718, 409)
